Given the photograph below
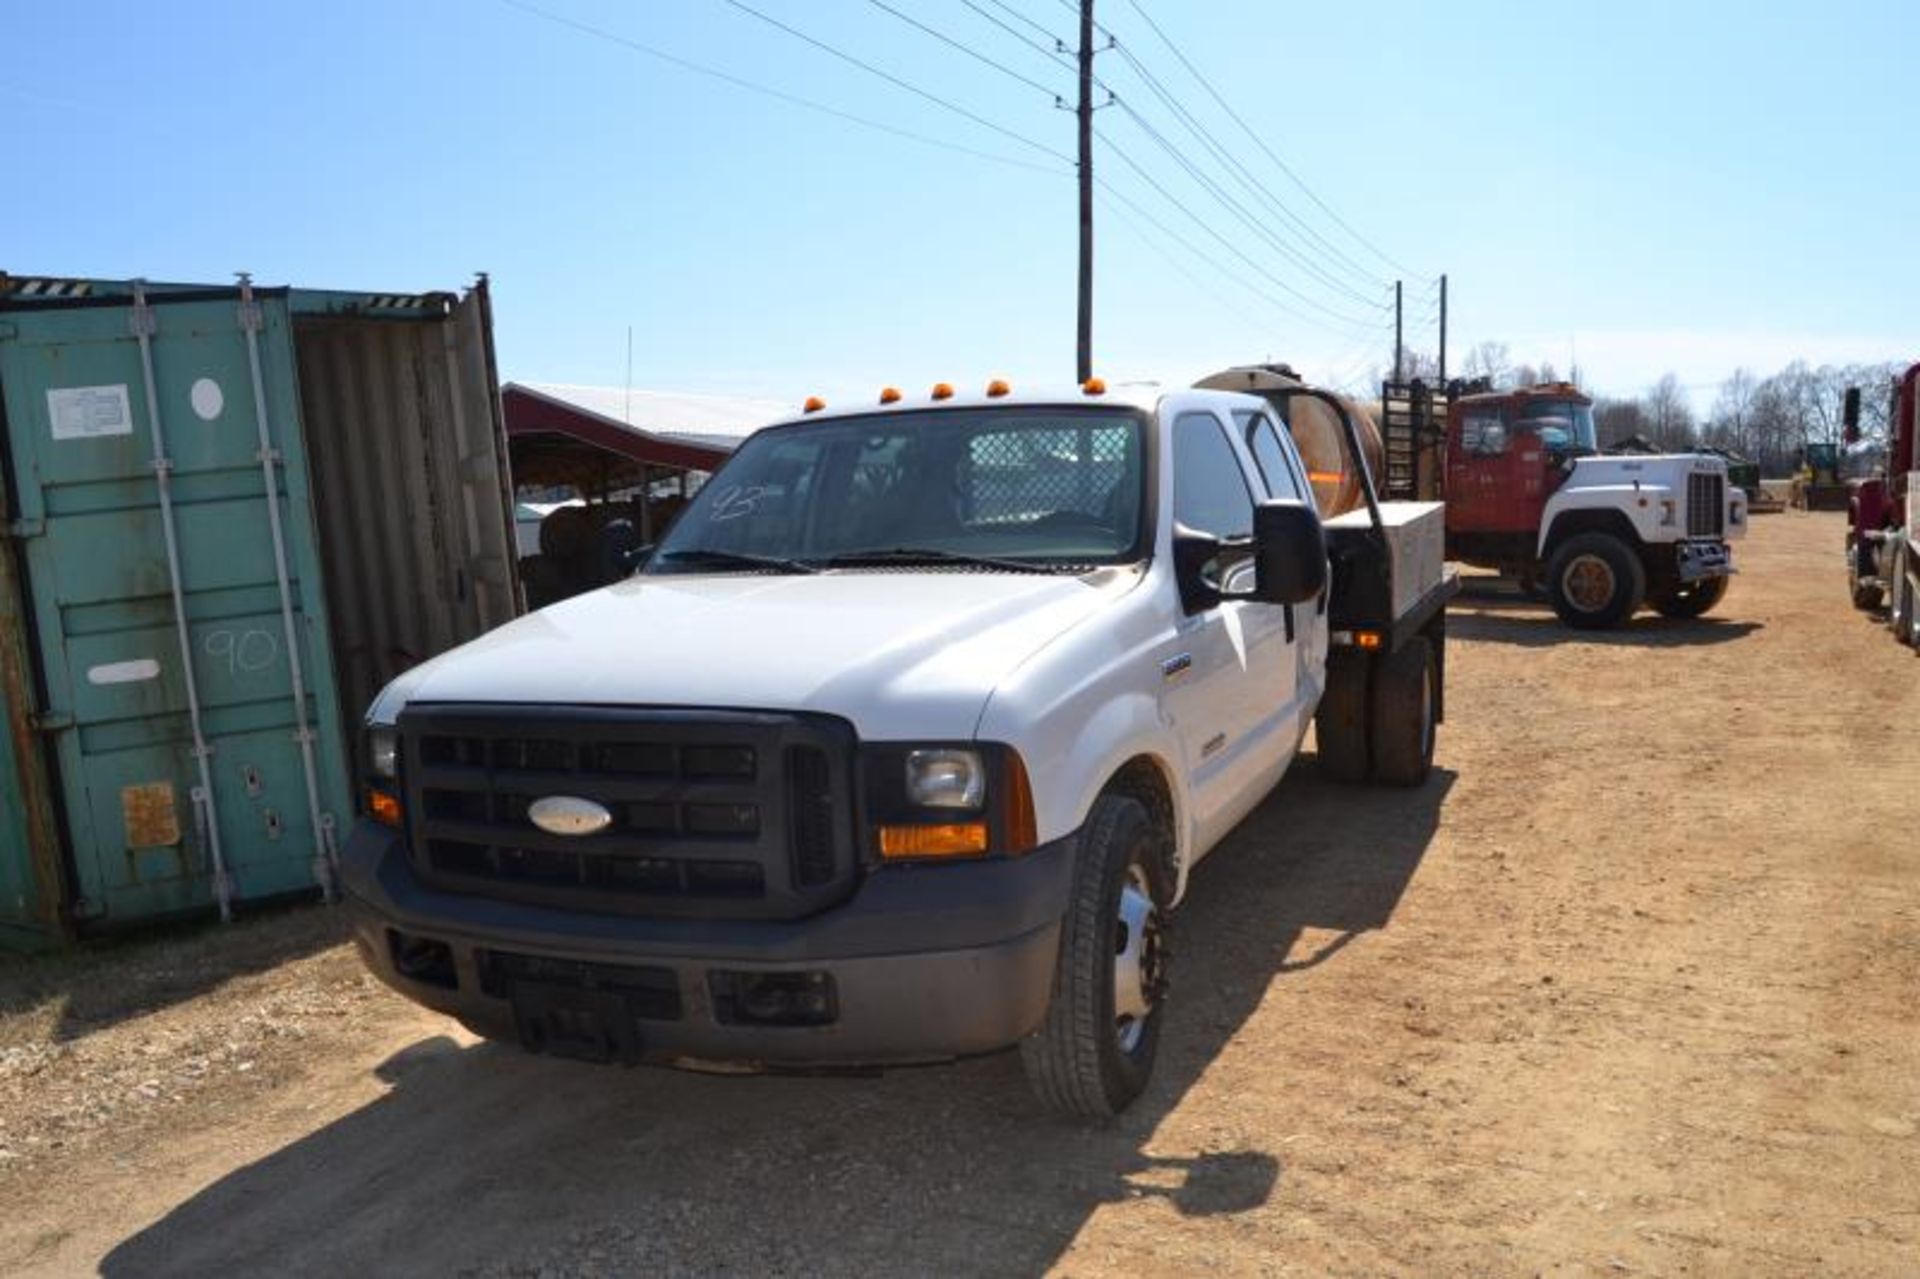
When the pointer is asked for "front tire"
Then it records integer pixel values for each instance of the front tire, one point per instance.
(1690, 599)
(1595, 581)
(1094, 1052)
(1865, 592)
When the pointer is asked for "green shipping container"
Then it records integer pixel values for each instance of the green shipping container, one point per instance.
(183, 662)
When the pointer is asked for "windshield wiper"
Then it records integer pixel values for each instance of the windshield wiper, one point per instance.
(933, 555)
(740, 559)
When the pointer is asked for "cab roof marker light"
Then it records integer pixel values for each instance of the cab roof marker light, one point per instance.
(889, 395)
(813, 405)
(1094, 386)
(943, 390)
(998, 387)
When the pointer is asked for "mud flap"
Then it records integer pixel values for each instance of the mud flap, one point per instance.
(587, 1025)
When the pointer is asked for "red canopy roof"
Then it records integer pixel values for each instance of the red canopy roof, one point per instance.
(555, 442)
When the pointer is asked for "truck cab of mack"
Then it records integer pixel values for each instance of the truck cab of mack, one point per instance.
(1530, 494)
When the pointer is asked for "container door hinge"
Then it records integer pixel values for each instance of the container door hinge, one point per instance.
(23, 529)
(52, 722)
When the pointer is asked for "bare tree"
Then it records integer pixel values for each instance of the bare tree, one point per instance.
(1618, 420)
(1669, 415)
(1489, 360)
(1730, 426)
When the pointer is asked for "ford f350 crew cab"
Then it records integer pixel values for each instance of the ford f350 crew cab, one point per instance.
(901, 745)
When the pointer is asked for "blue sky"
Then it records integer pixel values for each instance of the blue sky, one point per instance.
(1653, 186)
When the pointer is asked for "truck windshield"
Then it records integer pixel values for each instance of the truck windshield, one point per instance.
(1563, 424)
(1029, 487)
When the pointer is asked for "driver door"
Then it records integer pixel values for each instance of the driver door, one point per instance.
(1231, 674)
(1485, 474)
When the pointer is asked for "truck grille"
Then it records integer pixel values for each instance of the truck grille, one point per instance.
(1706, 504)
(714, 814)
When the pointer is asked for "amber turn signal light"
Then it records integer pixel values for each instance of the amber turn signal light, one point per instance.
(1022, 823)
(1369, 640)
(383, 808)
(960, 839)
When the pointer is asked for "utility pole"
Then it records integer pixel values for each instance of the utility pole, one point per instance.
(1084, 354)
(1443, 329)
(1396, 331)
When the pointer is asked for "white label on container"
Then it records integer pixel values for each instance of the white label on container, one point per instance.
(86, 412)
(207, 399)
(134, 672)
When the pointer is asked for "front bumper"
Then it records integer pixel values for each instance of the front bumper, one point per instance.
(922, 963)
(1697, 560)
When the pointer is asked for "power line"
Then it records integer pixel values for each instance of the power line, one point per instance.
(1257, 225)
(1160, 249)
(1269, 151)
(1054, 50)
(896, 81)
(975, 54)
(1073, 7)
(1240, 211)
(1237, 276)
(687, 64)
(1202, 223)
(1238, 169)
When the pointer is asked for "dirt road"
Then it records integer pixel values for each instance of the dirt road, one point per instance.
(1628, 988)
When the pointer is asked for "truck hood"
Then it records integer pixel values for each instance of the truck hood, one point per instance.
(900, 654)
(1647, 468)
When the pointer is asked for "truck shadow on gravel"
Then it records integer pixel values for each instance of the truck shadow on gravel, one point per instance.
(1529, 625)
(484, 1160)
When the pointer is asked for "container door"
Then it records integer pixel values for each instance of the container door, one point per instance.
(32, 876)
(486, 488)
(146, 821)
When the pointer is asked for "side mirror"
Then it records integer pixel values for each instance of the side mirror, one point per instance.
(1290, 553)
(620, 550)
(1194, 554)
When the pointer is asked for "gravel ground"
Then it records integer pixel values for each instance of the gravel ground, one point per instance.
(1626, 989)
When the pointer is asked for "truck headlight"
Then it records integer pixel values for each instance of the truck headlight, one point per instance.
(946, 778)
(383, 751)
(926, 802)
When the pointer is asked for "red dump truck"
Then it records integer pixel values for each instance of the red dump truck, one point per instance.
(1883, 562)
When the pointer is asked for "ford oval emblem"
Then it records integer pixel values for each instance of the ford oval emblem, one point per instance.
(569, 815)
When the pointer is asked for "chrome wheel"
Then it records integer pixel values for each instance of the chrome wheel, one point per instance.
(1138, 960)
(1589, 583)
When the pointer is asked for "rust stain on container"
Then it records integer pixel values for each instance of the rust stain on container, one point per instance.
(151, 818)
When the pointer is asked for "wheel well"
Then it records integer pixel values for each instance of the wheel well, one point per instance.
(1572, 523)
(1144, 778)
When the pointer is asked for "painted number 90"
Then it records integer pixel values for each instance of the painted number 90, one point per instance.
(243, 651)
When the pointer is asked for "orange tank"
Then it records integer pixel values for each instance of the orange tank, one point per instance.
(1316, 432)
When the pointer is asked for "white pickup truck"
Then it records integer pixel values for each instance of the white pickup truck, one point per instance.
(901, 745)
